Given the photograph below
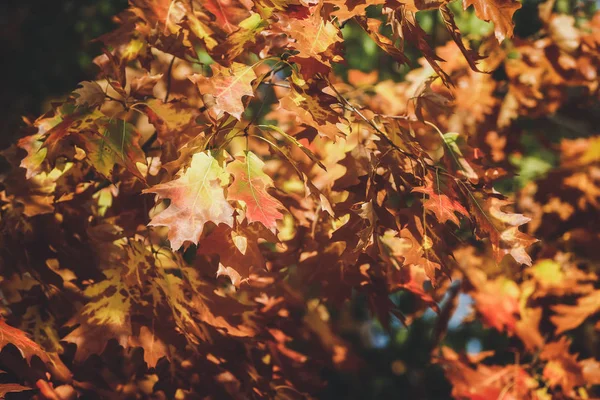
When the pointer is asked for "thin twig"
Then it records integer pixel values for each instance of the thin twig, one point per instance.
(169, 79)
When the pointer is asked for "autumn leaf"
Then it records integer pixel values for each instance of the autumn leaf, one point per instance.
(570, 317)
(229, 13)
(250, 186)
(196, 197)
(312, 108)
(165, 14)
(238, 251)
(502, 228)
(154, 348)
(442, 206)
(471, 56)
(313, 36)
(6, 388)
(209, 289)
(372, 27)
(224, 90)
(90, 94)
(245, 36)
(117, 142)
(171, 118)
(346, 9)
(500, 12)
(28, 348)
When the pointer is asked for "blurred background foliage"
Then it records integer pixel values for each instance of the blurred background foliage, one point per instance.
(47, 49)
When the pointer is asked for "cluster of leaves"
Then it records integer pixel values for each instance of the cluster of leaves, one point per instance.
(188, 225)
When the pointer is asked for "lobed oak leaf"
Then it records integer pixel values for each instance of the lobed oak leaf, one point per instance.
(116, 142)
(92, 338)
(502, 228)
(18, 338)
(53, 137)
(28, 348)
(90, 94)
(164, 14)
(169, 119)
(201, 31)
(224, 90)
(239, 252)
(347, 9)
(6, 388)
(228, 13)
(500, 12)
(197, 197)
(111, 302)
(250, 186)
(570, 317)
(412, 32)
(238, 41)
(482, 381)
(314, 40)
(313, 36)
(444, 207)
(498, 302)
(562, 368)
(313, 109)
(408, 264)
(154, 348)
(471, 56)
(372, 27)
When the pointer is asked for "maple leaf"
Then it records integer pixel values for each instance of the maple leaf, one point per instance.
(223, 91)
(197, 197)
(444, 207)
(500, 12)
(250, 186)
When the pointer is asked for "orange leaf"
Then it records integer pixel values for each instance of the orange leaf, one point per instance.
(197, 197)
(250, 187)
(223, 91)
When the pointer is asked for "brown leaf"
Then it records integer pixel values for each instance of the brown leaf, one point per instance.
(500, 12)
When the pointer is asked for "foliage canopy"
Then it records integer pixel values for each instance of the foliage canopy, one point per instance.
(200, 221)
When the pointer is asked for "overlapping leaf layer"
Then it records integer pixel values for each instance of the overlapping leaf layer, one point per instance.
(198, 221)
